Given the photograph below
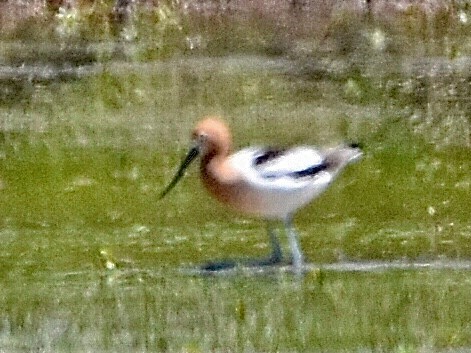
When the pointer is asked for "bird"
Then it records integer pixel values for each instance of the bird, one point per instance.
(265, 182)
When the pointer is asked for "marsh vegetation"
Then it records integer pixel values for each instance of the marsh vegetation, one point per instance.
(95, 114)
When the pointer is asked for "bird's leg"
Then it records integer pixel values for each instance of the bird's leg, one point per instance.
(294, 245)
(276, 255)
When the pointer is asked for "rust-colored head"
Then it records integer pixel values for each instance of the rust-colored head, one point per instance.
(212, 137)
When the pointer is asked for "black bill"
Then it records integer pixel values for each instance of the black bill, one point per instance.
(192, 154)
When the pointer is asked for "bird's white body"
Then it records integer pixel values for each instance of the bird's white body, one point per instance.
(265, 182)
(279, 191)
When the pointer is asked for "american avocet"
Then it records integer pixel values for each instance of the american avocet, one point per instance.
(266, 182)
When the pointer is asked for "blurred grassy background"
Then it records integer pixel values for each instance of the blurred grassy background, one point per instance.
(96, 106)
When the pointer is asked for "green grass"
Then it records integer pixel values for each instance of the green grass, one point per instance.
(124, 310)
(90, 259)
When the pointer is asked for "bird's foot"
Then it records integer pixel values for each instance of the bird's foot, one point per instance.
(222, 265)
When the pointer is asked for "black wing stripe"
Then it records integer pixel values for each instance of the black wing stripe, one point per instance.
(311, 171)
(268, 155)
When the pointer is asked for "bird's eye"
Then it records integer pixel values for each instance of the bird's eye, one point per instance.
(202, 137)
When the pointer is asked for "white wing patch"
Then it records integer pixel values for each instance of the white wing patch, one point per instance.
(278, 172)
(291, 161)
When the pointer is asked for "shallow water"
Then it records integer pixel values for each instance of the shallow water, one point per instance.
(92, 261)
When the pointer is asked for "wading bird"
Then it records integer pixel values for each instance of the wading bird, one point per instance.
(269, 183)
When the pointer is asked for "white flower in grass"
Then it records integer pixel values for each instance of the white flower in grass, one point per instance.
(68, 20)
